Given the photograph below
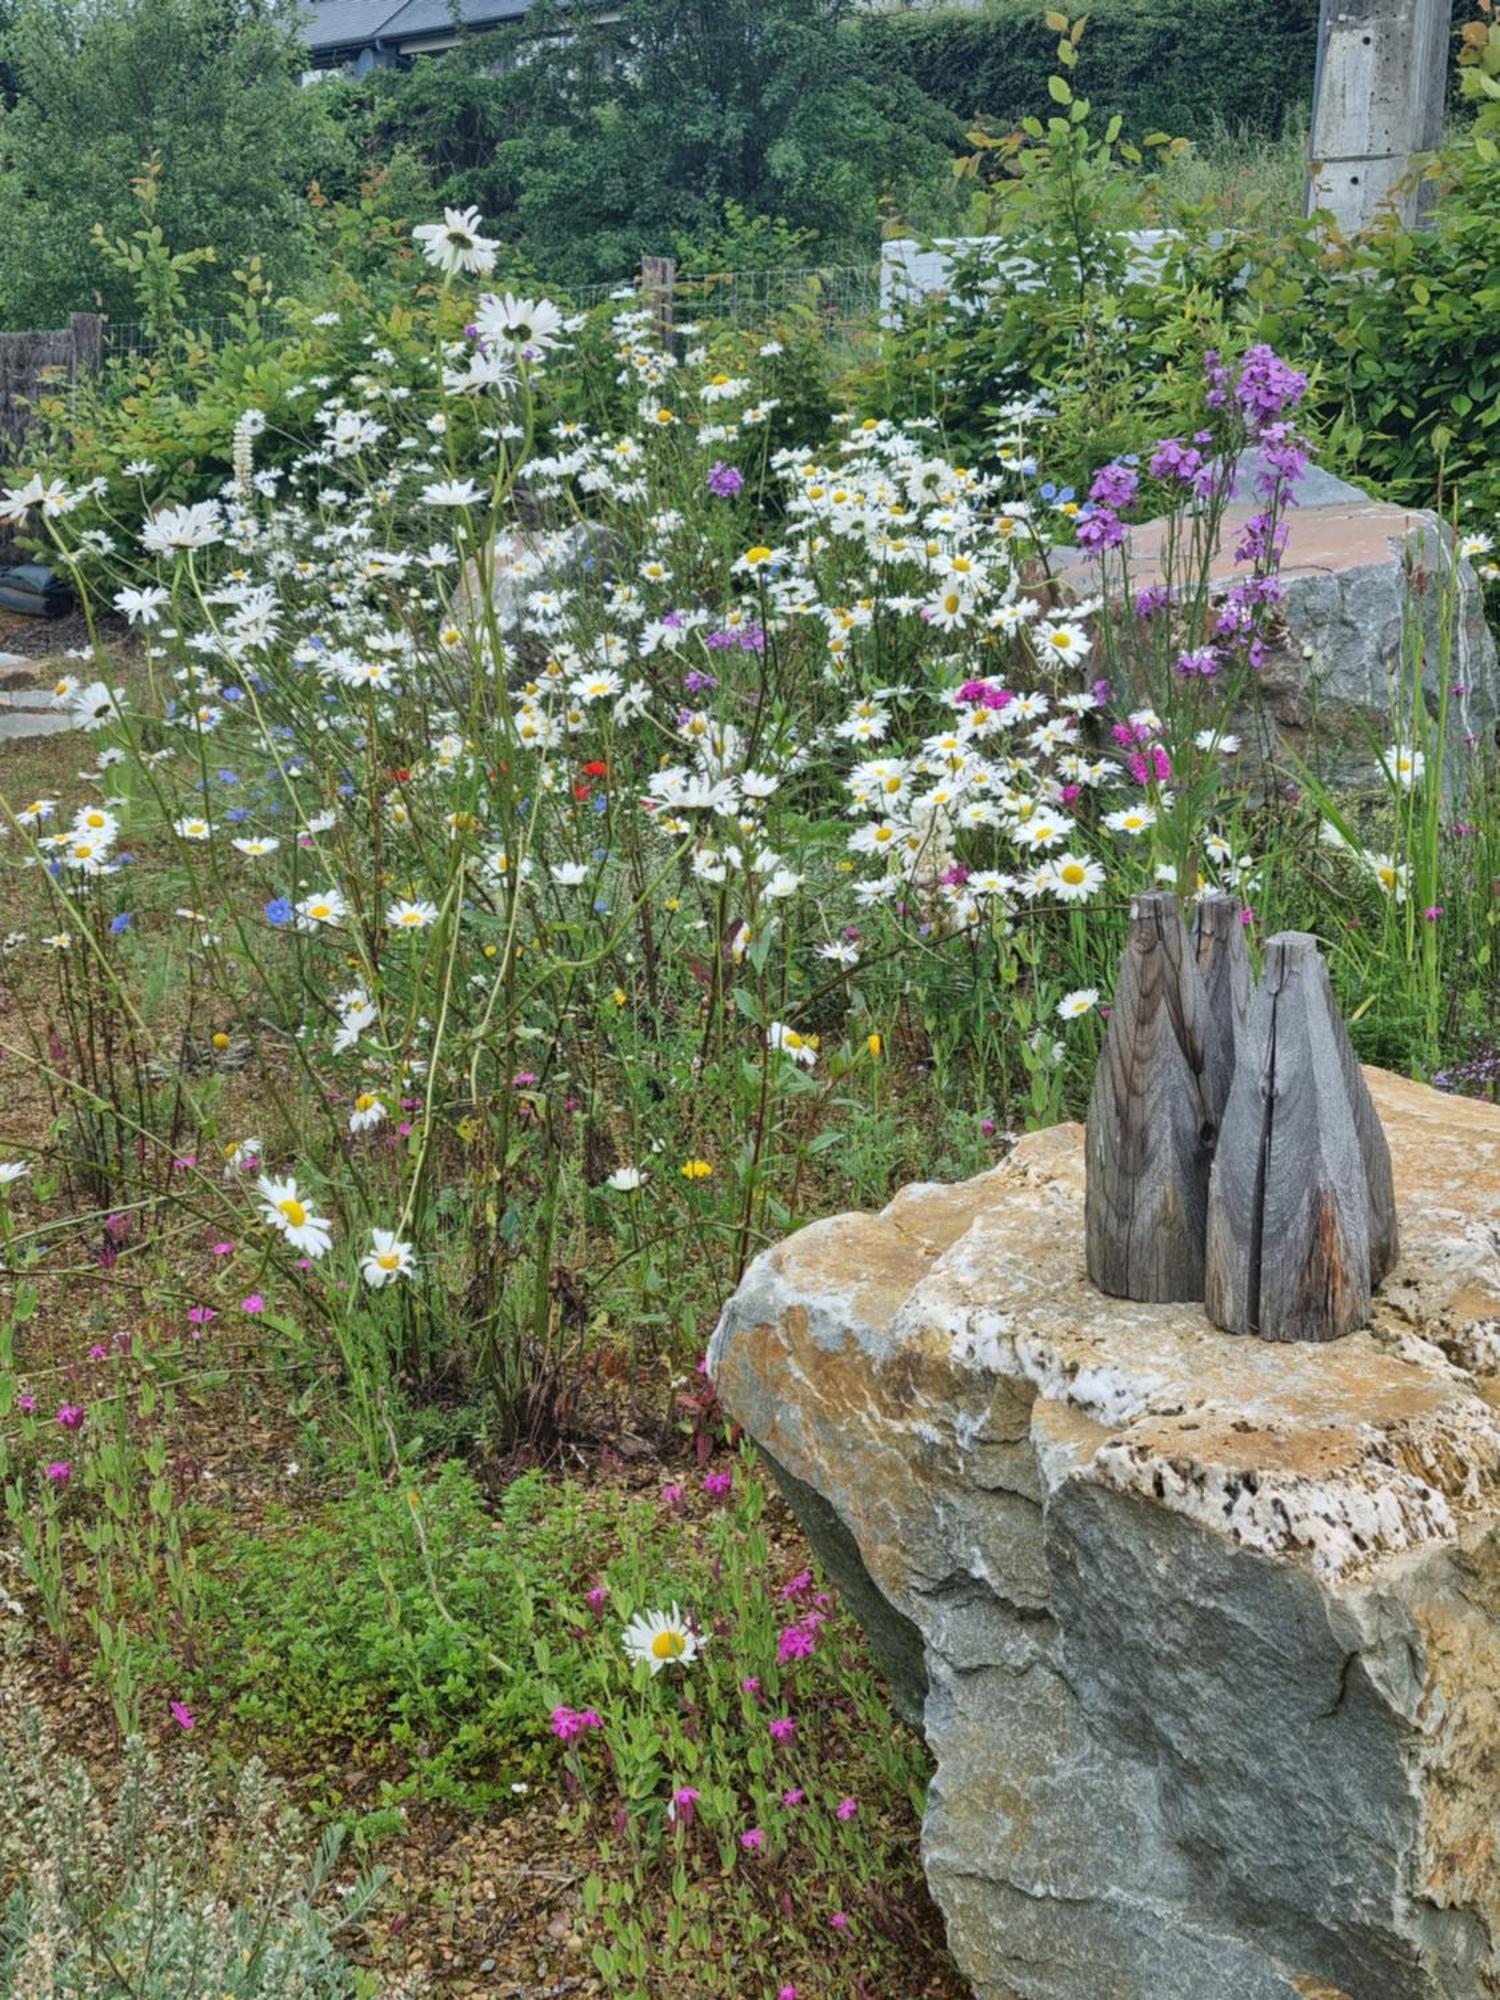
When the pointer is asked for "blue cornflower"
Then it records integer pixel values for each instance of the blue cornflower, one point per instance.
(279, 910)
(119, 923)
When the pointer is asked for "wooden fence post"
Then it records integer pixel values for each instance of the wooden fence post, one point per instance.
(659, 287)
(86, 339)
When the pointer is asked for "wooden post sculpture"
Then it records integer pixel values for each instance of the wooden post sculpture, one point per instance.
(1224, 963)
(1159, 1096)
(1301, 1212)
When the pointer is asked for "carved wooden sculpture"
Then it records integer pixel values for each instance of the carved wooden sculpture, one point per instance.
(1301, 1212)
(1158, 1099)
(1223, 961)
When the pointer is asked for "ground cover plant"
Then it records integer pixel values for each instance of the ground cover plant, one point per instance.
(553, 808)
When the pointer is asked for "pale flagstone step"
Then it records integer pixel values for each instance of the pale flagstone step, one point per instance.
(20, 719)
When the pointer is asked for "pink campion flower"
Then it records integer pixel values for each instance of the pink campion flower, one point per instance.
(70, 1416)
(1432, 913)
(568, 1723)
(795, 1797)
(595, 1599)
(839, 1921)
(753, 1840)
(221, 1250)
(684, 1807)
(201, 1315)
(60, 1472)
(783, 1728)
(718, 1485)
(1150, 765)
(846, 1809)
(672, 1496)
(26, 1404)
(1069, 795)
(797, 1586)
(751, 1685)
(786, 1993)
(98, 1352)
(254, 1304)
(796, 1643)
(183, 1715)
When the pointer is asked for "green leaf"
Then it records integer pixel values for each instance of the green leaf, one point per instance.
(1059, 90)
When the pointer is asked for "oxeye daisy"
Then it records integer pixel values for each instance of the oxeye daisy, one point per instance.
(387, 1259)
(411, 916)
(285, 1209)
(660, 1639)
(1081, 1001)
(368, 1112)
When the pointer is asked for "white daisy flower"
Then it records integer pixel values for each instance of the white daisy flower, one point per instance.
(660, 1639)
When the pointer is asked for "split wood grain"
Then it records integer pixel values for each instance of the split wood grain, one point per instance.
(1158, 1100)
(1301, 1211)
(1224, 963)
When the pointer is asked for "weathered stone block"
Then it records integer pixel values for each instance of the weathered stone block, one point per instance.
(1209, 1629)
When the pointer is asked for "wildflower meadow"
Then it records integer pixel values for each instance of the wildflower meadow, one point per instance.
(549, 810)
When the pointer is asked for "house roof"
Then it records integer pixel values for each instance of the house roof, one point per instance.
(344, 24)
(353, 24)
(431, 17)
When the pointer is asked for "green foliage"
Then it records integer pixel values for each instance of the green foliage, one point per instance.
(591, 161)
(209, 86)
(435, 1642)
(1403, 320)
(1054, 297)
(1186, 65)
(193, 1896)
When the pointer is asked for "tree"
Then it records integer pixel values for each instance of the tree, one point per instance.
(208, 87)
(624, 134)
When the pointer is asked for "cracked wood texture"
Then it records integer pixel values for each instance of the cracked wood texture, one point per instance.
(1224, 963)
(1158, 1099)
(1301, 1215)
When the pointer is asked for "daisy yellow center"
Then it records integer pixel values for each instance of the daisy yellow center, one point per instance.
(364, 1101)
(388, 1260)
(294, 1212)
(1073, 873)
(1387, 875)
(411, 916)
(758, 555)
(668, 1646)
(320, 910)
(1062, 640)
(93, 819)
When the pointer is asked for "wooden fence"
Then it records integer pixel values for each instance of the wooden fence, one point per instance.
(33, 363)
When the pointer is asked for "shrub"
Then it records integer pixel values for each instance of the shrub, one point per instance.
(168, 1893)
(1184, 66)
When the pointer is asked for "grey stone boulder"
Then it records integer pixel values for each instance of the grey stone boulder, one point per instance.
(1203, 1632)
(1363, 622)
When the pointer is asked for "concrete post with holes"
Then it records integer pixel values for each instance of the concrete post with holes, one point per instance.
(1378, 99)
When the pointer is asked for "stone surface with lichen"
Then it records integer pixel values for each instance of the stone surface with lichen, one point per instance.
(1204, 1632)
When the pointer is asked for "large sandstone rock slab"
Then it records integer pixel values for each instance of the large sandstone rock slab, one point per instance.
(1204, 1633)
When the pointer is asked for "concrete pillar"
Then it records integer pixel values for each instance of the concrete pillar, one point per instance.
(1378, 98)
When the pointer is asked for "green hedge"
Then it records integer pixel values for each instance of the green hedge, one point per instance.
(1178, 66)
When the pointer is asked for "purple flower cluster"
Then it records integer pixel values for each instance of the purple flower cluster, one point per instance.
(1100, 529)
(1114, 485)
(749, 639)
(1267, 387)
(724, 481)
